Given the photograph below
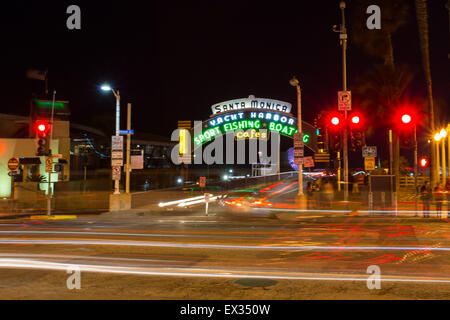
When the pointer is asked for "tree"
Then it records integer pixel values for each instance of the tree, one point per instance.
(383, 86)
(422, 22)
(379, 43)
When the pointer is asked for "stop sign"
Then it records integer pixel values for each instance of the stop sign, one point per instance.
(13, 164)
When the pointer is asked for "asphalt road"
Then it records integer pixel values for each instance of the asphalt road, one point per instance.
(237, 253)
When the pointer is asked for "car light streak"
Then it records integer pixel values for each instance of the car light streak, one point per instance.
(190, 203)
(214, 273)
(210, 246)
(165, 204)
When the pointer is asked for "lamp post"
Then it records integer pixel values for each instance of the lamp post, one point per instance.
(437, 138)
(117, 95)
(443, 134)
(294, 82)
(448, 145)
(343, 41)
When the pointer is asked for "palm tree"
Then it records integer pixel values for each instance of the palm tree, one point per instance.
(385, 84)
(422, 22)
(379, 43)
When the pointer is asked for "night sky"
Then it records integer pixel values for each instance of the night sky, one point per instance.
(173, 60)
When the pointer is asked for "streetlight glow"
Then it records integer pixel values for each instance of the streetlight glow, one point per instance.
(437, 137)
(106, 87)
(443, 133)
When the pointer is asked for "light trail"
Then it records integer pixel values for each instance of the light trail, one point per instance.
(190, 203)
(404, 212)
(165, 204)
(211, 246)
(211, 273)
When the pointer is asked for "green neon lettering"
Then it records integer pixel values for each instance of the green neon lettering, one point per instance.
(291, 131)
(271, 126)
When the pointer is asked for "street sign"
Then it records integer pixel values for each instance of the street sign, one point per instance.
(137, 159)
(202, 182)
(116, 162)
(344, 100)
(116, 158)
(369, 163)
(322, 157)
(298, 153)
(369, 151)
(115, 154)
(48, 164)
(13, 164)
(298, 140)
(126, 131)
(298, 160)
(116, 173)
(117, 143)
(12, 173)
(308, 162)
(58, 156)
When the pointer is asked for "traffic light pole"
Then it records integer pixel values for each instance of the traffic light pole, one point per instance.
(49, 191)
(343, 38)
(415, 165)
(128, 165)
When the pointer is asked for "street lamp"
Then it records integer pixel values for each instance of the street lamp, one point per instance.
(106, 87)
(437, 138)
(443, 134)
(294, 82)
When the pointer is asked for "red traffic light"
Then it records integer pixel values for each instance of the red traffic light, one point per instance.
(42, 127)
(355, 119)
(335, 121)
(406, 118)
(423, 162)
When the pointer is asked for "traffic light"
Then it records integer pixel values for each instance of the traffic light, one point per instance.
(335, 141)
(357, 137)
(42, 129)
(424, 162)
(334, 124)
(320, 132)
(406, 119)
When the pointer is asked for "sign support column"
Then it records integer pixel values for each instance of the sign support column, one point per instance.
(127, 165)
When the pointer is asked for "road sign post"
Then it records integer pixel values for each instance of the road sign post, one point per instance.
(298, 148)
(116, 173)
(207, 198)
(116, 150)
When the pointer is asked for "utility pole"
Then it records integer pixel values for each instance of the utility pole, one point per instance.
(343, 42)
(415, 166)
(127, 165)
(117, 95)
(294, 82)
(49, 191)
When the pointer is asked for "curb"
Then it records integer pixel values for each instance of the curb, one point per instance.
(59, 217)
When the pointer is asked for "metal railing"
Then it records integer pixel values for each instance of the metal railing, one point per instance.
(406, 182)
